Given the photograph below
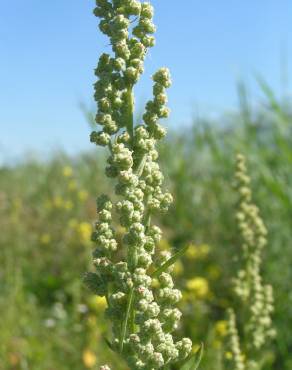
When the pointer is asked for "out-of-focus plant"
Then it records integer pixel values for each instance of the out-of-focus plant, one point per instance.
(255, 299)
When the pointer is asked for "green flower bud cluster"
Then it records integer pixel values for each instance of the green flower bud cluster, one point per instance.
(256, 297)
(143, 318)
(118, 73)
(234, 343)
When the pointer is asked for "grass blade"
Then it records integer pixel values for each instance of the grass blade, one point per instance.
(170, 261)
(274, 104)
(194, 362)
(108, 343)
(244, 104)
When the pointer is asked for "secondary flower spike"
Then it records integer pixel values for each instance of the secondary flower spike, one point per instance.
(255, 297)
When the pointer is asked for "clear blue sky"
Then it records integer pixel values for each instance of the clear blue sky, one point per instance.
(49, 49)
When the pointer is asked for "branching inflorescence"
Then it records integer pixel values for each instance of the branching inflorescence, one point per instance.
(256, 299)
(142, 317)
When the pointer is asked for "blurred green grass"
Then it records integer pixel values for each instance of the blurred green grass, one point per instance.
(50, 321)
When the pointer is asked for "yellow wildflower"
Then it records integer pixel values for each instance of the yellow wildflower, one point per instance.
(204, 249)
(89, 358)
(100, 302)
(191, 252)
(45, 238)
(228, 355)
(67, 171)
(197, 251)
(221, 328)
(82, 195)
(84, 230)
(96, 303)
(199, 286)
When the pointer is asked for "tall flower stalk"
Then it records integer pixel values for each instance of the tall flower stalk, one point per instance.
(143, 318)
(255, 298)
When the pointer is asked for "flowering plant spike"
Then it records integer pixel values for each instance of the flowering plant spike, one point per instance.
(254, 297)
(143, 318)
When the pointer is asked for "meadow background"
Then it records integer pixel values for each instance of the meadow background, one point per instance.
(47, 195)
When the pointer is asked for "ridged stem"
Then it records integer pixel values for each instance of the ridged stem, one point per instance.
(130, 113)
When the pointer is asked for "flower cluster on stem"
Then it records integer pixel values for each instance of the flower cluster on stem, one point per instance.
(142, 319)
(256, 298)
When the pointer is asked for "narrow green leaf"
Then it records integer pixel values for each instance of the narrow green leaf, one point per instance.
(171, 261)
(88, 114)
(125, 322)
(198, 358)
(108, 343)
(244, 104)
(194, 362)
(274, 104)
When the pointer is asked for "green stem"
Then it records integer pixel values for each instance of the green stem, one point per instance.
(130, 313)
(132, 318)
(130, 113)
(140, 166)
(125, 323)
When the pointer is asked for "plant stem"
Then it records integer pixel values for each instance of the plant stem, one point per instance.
(130, 113)
(130, 312)
(125, 323)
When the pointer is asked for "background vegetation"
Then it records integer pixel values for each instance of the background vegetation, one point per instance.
(50, 321)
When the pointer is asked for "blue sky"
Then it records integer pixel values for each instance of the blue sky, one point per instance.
(49, 49)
